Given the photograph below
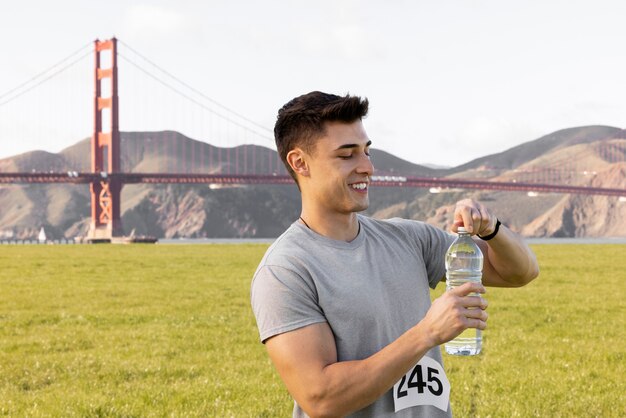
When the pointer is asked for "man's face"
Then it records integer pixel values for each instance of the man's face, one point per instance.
(340, 168)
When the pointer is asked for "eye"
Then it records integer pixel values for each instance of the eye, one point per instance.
(345, 157)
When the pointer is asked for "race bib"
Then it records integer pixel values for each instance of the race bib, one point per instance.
(425, 384)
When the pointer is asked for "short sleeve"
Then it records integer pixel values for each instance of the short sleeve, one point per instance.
(283, 301)
(435, 243)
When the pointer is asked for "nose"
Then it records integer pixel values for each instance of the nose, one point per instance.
(365, 165)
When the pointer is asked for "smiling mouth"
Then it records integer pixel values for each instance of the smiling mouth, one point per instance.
(359, 186)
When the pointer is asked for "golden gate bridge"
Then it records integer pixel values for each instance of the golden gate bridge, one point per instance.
(190, 162)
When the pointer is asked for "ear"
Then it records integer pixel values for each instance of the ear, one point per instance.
(296, 158)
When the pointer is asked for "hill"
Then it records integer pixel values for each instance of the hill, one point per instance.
(265, 211)
(586, 156)
(533, 150)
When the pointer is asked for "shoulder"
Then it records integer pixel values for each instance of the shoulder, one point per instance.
(283, 294)
(287, 246)
(284, 259)
(413, 230)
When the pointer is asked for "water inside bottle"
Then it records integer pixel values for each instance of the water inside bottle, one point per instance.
(456, 278)
(469, 342)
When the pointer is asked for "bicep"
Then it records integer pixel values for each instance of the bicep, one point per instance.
(300, 357)
(491, 277)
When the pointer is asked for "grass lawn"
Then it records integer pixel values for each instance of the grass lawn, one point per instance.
(554, 348)
(167, 330)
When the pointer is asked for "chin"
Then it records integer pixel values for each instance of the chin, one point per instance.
(361, 207)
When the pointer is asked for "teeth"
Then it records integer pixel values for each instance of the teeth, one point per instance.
(359, 186)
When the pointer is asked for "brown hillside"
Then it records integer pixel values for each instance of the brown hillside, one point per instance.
(586, 216)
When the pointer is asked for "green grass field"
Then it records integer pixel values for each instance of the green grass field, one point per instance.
(167, 330)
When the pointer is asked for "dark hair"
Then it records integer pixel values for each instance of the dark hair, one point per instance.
(301, 121)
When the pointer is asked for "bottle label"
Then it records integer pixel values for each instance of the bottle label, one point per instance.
(424, 384)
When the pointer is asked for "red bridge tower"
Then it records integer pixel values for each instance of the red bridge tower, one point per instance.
(105, 148)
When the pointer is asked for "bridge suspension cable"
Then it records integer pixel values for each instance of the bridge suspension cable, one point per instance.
(194, 89)
(45, 75)
(259, 130)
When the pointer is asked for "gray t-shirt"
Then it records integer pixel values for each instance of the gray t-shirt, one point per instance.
(370, 290)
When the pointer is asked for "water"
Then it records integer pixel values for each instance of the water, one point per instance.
(470, 341)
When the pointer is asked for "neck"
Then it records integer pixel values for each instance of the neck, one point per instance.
(339, 227)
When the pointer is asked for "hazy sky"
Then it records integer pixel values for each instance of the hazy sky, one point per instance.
(448, 81)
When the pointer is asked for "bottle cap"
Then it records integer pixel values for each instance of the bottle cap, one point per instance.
(462, 229)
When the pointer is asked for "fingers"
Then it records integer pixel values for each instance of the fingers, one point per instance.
(473, 302)
(455, 311)
(474, 217)
(474, 313)
(468, 297)
(477, 323)
(467, 288)
(472, 308)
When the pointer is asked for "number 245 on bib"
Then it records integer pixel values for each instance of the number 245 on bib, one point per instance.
(425, 384)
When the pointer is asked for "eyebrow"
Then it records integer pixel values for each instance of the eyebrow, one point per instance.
(344, 146)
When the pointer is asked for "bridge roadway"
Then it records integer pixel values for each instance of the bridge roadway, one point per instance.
(74, 177)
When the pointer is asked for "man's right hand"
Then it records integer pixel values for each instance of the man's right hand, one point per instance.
(454, 312)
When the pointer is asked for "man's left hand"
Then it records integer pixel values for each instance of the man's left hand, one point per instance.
(475, 217)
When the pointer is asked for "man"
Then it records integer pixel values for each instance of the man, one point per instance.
(342, 300)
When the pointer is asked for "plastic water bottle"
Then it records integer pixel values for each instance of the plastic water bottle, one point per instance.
(464, 263)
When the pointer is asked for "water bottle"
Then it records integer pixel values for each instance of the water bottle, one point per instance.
(464, 263)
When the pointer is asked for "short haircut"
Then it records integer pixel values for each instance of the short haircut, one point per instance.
(302, 120)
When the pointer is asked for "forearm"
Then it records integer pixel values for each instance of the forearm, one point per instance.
(510, 258)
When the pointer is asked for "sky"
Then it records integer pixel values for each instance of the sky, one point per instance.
(448, 81)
